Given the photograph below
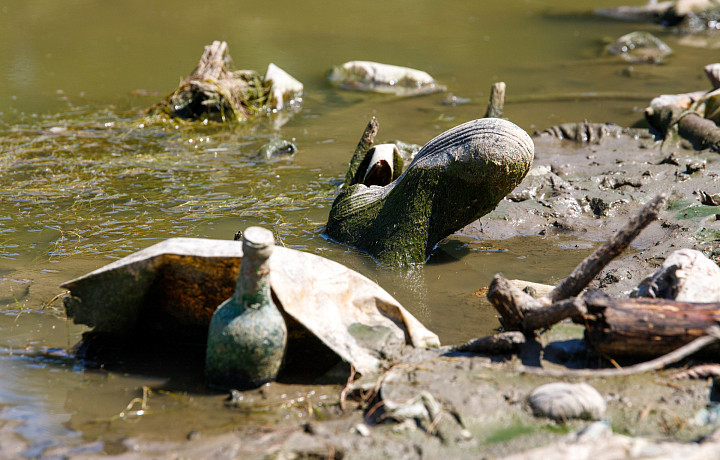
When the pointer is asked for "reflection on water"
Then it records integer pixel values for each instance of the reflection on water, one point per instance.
(85, 178)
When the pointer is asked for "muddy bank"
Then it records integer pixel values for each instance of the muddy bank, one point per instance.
(481, 411)
(585, 187)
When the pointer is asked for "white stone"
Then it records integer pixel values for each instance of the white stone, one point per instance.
(686, 276)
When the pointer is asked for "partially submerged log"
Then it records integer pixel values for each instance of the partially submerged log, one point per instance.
(695, 116)
(645, 327)
(215, 91)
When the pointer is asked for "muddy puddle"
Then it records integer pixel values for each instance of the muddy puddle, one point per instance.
(86, 178)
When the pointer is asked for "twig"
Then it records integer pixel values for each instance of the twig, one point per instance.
(595, 262)
(701, 371)
(498, 344)
(541, 318)
(366, 142)
(57, 296)
(520, 311)
(497, 101)
(713, 335)
(344, 392)
(372, 410)
(433, 424)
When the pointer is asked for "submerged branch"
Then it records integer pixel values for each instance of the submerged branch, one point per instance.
(595, 262)
(713, 335)
(365, 143)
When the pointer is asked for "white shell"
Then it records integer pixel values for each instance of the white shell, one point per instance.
(563, 401)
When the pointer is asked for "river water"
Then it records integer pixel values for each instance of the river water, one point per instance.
(86, 178)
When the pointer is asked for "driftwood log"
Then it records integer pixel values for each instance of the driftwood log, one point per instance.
(645, 327)
(636, 327)
(694, 115)
(214, 90)
(517, 308)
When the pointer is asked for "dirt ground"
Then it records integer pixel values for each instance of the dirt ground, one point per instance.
(434, 404)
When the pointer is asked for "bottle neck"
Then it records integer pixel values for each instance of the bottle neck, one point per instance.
(253, 288)
(253, 284)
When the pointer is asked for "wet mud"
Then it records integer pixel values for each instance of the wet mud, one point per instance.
(585, 188)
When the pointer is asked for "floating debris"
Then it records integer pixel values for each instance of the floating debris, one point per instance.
(277, 147)
(383, 78)
(640, 47)
(215, 91)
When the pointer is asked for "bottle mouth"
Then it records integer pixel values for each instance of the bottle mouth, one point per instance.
(258, 238)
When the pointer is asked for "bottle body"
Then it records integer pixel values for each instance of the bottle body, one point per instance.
(246, 348)
(247, 334)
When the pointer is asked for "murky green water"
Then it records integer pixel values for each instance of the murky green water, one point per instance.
(86, 178)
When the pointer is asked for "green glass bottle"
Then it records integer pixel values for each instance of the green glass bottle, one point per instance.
(247, 333)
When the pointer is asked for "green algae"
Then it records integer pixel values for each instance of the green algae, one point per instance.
(520, 429)
(692, 212)
(85, 183)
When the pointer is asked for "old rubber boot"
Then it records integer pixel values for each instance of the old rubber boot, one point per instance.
(456, 178)
(247, 334)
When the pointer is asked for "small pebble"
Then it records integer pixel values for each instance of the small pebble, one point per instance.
(362, 430)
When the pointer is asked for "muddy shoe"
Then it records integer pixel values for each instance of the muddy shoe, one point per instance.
(456, 178)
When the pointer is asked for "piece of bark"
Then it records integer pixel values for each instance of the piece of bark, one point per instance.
(510, 302)
(366, 142)
(498, 344)
(712, 337)
(646, 327)
(595, 262)
(496, 104)
(703, 133)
